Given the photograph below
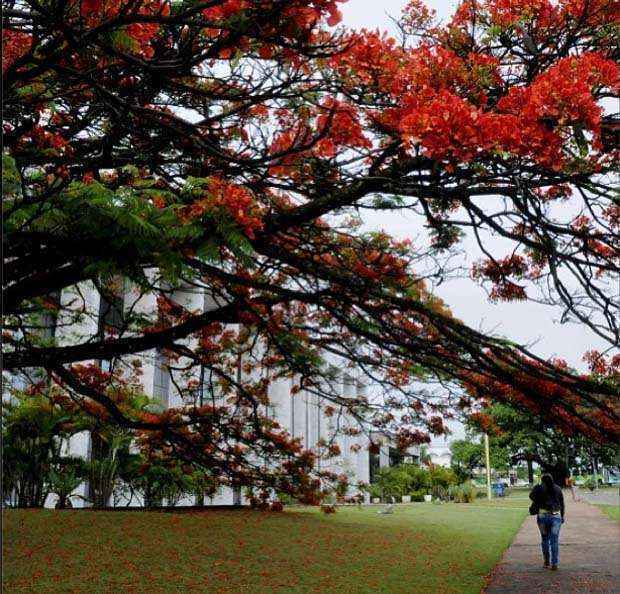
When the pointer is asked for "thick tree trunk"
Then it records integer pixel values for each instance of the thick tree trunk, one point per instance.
(594, 463)
(98, 487)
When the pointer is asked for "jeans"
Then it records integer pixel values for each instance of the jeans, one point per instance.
(549, 527)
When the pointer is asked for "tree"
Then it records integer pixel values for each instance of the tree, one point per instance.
(467, 455)
(229, 145)
(33, 429)
(521, 436)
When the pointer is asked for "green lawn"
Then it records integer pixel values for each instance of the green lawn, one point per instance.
(613, 511)
(420, 548)
(514, 500)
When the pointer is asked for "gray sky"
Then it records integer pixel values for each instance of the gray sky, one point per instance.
(524, 322)
(376, 15)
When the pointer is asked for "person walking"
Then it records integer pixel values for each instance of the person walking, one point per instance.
(548, 505)
(570, 483)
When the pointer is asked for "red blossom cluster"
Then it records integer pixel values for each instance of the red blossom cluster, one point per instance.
(137, 36)
(305, 15)
(499, 273)
(603, 365)
(442, 96)
(297, 18)
(552, 398)
(14, 45)
(560, 98)
(345, 129)
(225, 199)
(407, 438)
(541, 16)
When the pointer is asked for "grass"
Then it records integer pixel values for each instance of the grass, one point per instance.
(421, 548)
(515, 499)
(613, 511)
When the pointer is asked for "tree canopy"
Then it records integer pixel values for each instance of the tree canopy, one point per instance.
(232, 147)
(518, 436)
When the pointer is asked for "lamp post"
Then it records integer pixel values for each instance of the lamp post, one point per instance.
(488, 463)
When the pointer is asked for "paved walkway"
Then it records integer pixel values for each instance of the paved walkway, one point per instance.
(602, 496)
(589, 557)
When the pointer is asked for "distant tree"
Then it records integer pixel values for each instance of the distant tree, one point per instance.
(521, 436)
(467, 455)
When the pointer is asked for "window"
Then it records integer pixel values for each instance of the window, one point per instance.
(161, 378)
(110, 319)
(111, 313)
(396, 457)
(374, 465)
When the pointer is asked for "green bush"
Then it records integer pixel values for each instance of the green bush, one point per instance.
(393, 481)
(420, 478)
(465, 493)
(374, 491)
(441, 480)
(406, 479)
(442, 477)
(285, 499)
(591, 482)
(440, 492)
(160, 483)
(33, 429)
(65, 476)
(418, 496)
(469, 492)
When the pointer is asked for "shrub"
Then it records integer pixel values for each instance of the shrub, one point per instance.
(440, 492)
(465, 493)
(277, 506)
(469, 492)
(420, 478)
(441, 477)
(590, 483)
(418, 495)
(405, 479)
(374, 490)
(159, 482)
(32, 432)
(393, 481)
(65, 477)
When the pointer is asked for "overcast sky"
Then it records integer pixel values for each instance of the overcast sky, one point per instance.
(527, 323)
(374, 14)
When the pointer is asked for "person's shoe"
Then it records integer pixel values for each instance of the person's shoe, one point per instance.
(546, 561)
(554, 568)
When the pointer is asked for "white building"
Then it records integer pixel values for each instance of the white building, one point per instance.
(439, 451)
(302, 414)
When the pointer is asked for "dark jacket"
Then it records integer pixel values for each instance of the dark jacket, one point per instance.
(553, 502)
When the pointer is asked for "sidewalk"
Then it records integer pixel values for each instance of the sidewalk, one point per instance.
(589, 557)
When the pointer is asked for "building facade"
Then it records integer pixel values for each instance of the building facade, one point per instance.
(301, 413)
